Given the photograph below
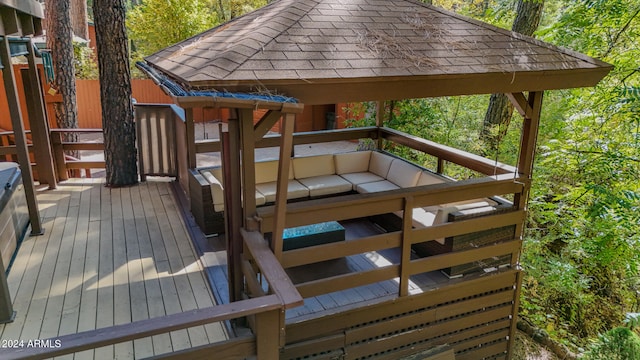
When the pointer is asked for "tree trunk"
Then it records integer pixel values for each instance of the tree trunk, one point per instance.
(59, 40)
(115, 92)
(500, 110)
(79, 18)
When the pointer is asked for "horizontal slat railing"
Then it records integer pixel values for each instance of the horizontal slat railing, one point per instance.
(362, 205)
(344, 207)
(144, 328)
(462, 158)
(59, 147)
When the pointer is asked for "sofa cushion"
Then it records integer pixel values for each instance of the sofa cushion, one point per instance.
(379, 164)
(267, 171)
(310, 166)
(403, 174)
(326, 185)
(377, 186)
(352, 162)
(420, 219)
(217, 193)
(361, 178)
(428, 178)
(295, 190)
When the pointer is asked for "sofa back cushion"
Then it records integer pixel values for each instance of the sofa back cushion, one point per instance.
(267, 171)
(428, 178)
(403, 174)
(379, 164)
(310, 166)
(352, 162)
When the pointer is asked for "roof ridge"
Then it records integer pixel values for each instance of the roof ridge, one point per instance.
(514, 34)
(287, 28)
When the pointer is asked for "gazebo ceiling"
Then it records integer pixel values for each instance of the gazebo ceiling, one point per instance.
(327, 51)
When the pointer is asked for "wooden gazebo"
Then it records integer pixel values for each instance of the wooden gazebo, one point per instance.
(334, 51)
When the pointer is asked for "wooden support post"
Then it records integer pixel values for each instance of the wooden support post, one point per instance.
(58, 156)
(280, 211)
(407, 222)
(268, 335)
(20, 138)
(514, 315)
(248, 164)
(191, 138)
(232, 205)
(379, 122)
(39, 122)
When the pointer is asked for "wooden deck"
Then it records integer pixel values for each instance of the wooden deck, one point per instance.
(108, 257)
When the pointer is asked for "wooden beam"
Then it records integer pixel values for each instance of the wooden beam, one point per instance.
(232, 204)
(284, 162)
(10, 23)
(379, 121)
(191, 138)
(266, 123)
(407, 222)
(520, 103)
(26, 24)
(20, 138)
(39, 122)
(530, 134)
(248, 145)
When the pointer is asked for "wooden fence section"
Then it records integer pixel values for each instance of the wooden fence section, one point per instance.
(472, 316)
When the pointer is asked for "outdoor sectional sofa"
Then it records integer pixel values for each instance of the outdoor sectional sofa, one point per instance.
(363, 172)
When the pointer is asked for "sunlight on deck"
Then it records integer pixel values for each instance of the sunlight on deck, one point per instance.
(380, 261)
(108, 257)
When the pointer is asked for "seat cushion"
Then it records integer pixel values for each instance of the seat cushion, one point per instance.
(326, 185)
(377, 186)
(361, 178)
(310, 166)
(379, 164)
(295, 190)
(403, 174)
(352, 162)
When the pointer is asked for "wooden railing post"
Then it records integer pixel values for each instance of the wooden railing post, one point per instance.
(58, 156)
(268, 335)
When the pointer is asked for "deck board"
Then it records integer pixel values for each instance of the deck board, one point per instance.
(109, 256)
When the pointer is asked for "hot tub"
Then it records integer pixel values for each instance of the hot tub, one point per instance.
(14, 214)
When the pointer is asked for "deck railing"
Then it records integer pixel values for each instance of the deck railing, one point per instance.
(442, 153)
(405, 200)
(63, 163)
(264, 312)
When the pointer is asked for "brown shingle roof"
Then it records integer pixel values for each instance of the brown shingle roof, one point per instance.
(339, 50)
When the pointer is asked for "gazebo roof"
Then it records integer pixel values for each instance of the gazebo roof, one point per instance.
(325, 51)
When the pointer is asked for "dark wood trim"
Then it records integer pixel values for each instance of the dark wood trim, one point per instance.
(520, 103)
(238, 348)
(462, 158)
(266, 123)
(143, 328)
(347, 281)
(282, 185)
(314, 254)
(20, 138)
(39, 123)
(271, 269)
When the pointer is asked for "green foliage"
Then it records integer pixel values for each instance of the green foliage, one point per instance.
(85, 62)
(156, 24)
(617, 344)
